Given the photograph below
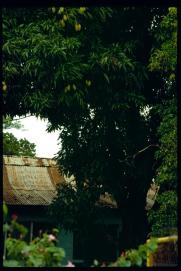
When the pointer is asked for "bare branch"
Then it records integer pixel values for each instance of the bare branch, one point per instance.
(146, 148)
(130, 157)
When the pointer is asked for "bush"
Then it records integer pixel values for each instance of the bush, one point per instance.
(136, 257)
(132, 257)
(40, 252)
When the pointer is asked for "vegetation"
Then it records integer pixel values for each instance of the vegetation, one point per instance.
(13, 146)
(95, 88)
(136, 257)
(42, 251)
(163, 217)
(133, 257)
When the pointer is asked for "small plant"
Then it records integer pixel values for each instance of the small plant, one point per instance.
(136, 257)
(132, 257)
(40, 252)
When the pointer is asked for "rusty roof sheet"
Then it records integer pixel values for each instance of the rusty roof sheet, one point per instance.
(28, 161)
(30, 181)
(107, 200)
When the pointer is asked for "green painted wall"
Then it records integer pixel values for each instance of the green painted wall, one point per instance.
(66, 242)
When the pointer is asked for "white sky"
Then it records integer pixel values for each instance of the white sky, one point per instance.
(34, 130)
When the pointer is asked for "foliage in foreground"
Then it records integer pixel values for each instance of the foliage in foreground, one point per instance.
(42, 251)
(136, 257)
(133, 257)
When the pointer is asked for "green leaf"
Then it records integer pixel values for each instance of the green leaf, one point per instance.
(152, 244)
(6, 227)
(139, 261)
(124, 263)
(11, 263)
(5, 209)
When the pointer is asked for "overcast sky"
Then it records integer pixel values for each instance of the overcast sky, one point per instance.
(35, 131)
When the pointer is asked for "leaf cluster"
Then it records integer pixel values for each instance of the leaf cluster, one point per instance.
(21, 147)
(164, 57)
(9, 123)
(163, 217)
(42, 251)
(13, 146)
(136, 257)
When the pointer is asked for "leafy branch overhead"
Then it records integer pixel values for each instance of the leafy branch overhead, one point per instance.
(66, 61)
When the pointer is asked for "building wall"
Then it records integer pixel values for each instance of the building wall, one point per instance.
(66, 242)
(77, 250)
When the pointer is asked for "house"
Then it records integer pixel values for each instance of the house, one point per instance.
(29, 186)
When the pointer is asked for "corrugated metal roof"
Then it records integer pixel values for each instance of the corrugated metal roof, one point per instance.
(107, 200)
(28, 161)
(30, 181)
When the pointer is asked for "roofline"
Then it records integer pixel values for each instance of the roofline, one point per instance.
(35, 157)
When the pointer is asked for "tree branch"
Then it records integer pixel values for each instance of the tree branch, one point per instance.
(146, 148)
(127, 159)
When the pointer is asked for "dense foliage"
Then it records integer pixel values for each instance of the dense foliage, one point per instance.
(13, 146)
(163, 217)
(87, 71)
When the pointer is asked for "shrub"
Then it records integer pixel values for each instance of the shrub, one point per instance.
(40, 252)
(136, 257)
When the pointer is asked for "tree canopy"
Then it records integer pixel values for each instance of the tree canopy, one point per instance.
(88, 71)
(13, 146)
